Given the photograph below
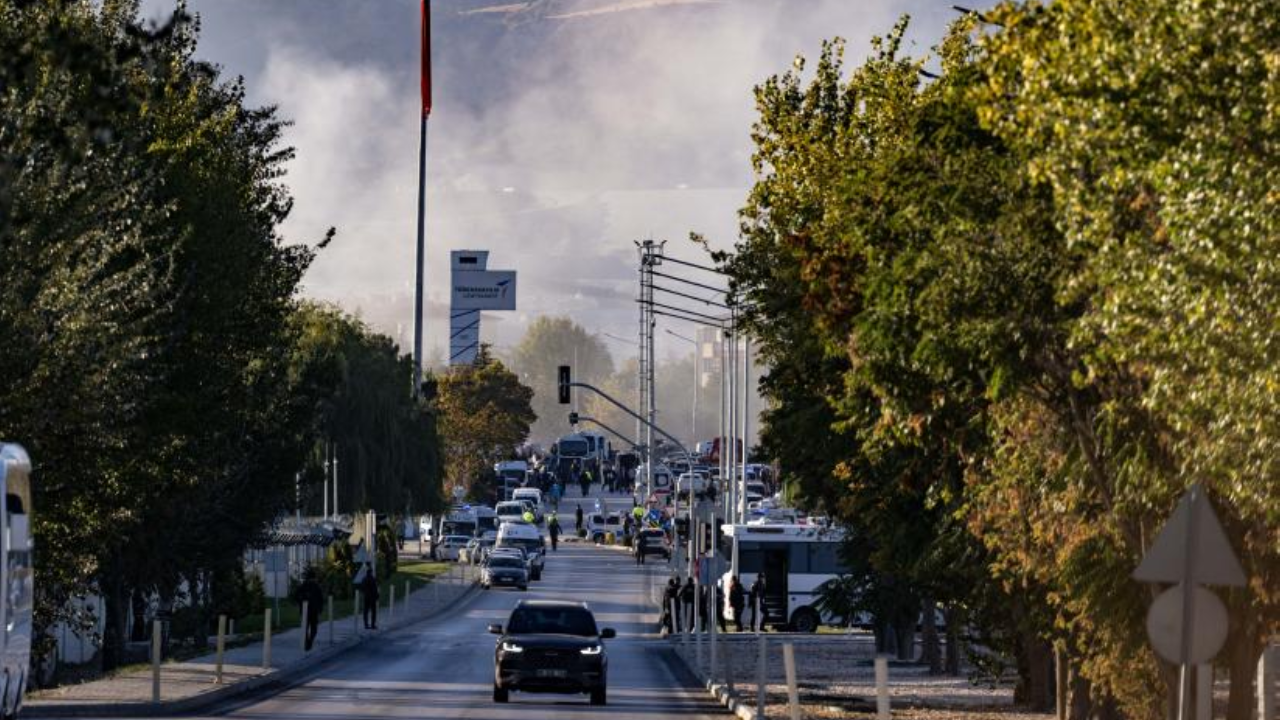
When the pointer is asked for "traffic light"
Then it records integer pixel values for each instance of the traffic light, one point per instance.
(573, 418)
(564, 384)
(682, 527)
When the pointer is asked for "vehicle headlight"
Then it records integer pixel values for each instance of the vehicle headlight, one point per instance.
(511, 647)
(593, 650)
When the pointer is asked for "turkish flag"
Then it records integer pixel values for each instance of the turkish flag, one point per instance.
(426, 59)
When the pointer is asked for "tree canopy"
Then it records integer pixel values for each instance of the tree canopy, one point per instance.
(1019, 308)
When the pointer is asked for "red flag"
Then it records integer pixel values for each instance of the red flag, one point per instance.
(426, 59)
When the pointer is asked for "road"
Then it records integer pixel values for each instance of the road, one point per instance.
(444, 668)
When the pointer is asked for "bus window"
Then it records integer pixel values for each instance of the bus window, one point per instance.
(798, 562)
(750, 561)
(824, 558)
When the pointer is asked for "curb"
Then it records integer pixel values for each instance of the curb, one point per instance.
(281, 676)
(719, 691)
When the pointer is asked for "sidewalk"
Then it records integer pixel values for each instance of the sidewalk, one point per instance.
(190, 685)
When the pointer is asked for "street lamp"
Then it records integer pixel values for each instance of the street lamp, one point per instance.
(693, 425)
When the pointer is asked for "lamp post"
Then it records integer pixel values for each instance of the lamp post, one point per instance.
(693, 424)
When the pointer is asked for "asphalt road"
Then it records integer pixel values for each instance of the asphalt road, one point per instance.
(444, 668)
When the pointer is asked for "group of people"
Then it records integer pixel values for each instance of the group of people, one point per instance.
(310, 597)
(677, 605)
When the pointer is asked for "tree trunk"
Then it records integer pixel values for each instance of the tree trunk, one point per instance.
(113, 627)
(931, 652)
(1035, 671)
(906, 636)
(1242, 654)
(953, 641)
(138, 629)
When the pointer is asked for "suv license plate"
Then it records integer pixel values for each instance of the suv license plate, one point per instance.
(553, 673)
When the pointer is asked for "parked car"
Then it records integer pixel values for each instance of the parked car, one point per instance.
(452, 545)
(505, 569)
(652, 541)
(550, 647)
(599, 523)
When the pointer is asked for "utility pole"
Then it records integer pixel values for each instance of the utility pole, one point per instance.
(650, 257)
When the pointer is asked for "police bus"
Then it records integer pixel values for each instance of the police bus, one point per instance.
(15, 574)
(795, 559)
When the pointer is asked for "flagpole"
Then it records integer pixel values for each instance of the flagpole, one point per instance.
(420, 264)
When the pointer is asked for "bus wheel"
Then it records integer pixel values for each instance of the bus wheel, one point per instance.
(805, 620)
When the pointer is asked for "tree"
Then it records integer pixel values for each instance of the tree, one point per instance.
(548, 343)
(485, 414)
(386, 443)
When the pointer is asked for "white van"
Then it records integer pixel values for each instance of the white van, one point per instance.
(527, 537)
(533, 495)
(509, 511)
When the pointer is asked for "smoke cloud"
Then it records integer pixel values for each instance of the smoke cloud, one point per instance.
(562, 131)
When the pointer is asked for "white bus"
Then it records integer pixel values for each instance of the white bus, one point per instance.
(15, 575)
(795, 560)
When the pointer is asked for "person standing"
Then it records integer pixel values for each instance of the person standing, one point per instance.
(311, 596)
(369, 595)
(578, 515)
(737, 601)
(671, 600)
(757, 602)
(686, 599)
(553, 529)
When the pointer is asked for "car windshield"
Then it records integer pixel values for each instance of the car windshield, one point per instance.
(552, 620)
(526, 543)
(505, 561)
(510, 508)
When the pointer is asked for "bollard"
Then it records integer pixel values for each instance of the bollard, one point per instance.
(1266, 681)
(155, 661)
(728, 670)
(355, 614)
(793, 692)
(222, 645)
(406, 596)
(330, 620)
(391, 604)
(711, 625)
(231, 627)
(697, 632)
(266, 640)
(762, 680)
(302, 625)
(882, 687)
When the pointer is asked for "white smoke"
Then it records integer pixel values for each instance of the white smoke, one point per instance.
(613, 121)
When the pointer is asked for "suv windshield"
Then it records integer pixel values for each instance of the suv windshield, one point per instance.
(554, 620)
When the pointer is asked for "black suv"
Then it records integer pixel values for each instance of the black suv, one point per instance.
(550, 646)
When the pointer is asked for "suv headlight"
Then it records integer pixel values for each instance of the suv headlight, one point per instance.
(593, 650)
(511, 647)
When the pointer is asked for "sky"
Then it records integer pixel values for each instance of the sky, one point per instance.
(562, 132)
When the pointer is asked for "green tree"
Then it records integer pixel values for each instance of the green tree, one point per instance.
(485, 415)
(548, 343)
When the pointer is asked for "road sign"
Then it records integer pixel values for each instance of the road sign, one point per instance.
(1209, 626)
(484, 290)
(1212, 559)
